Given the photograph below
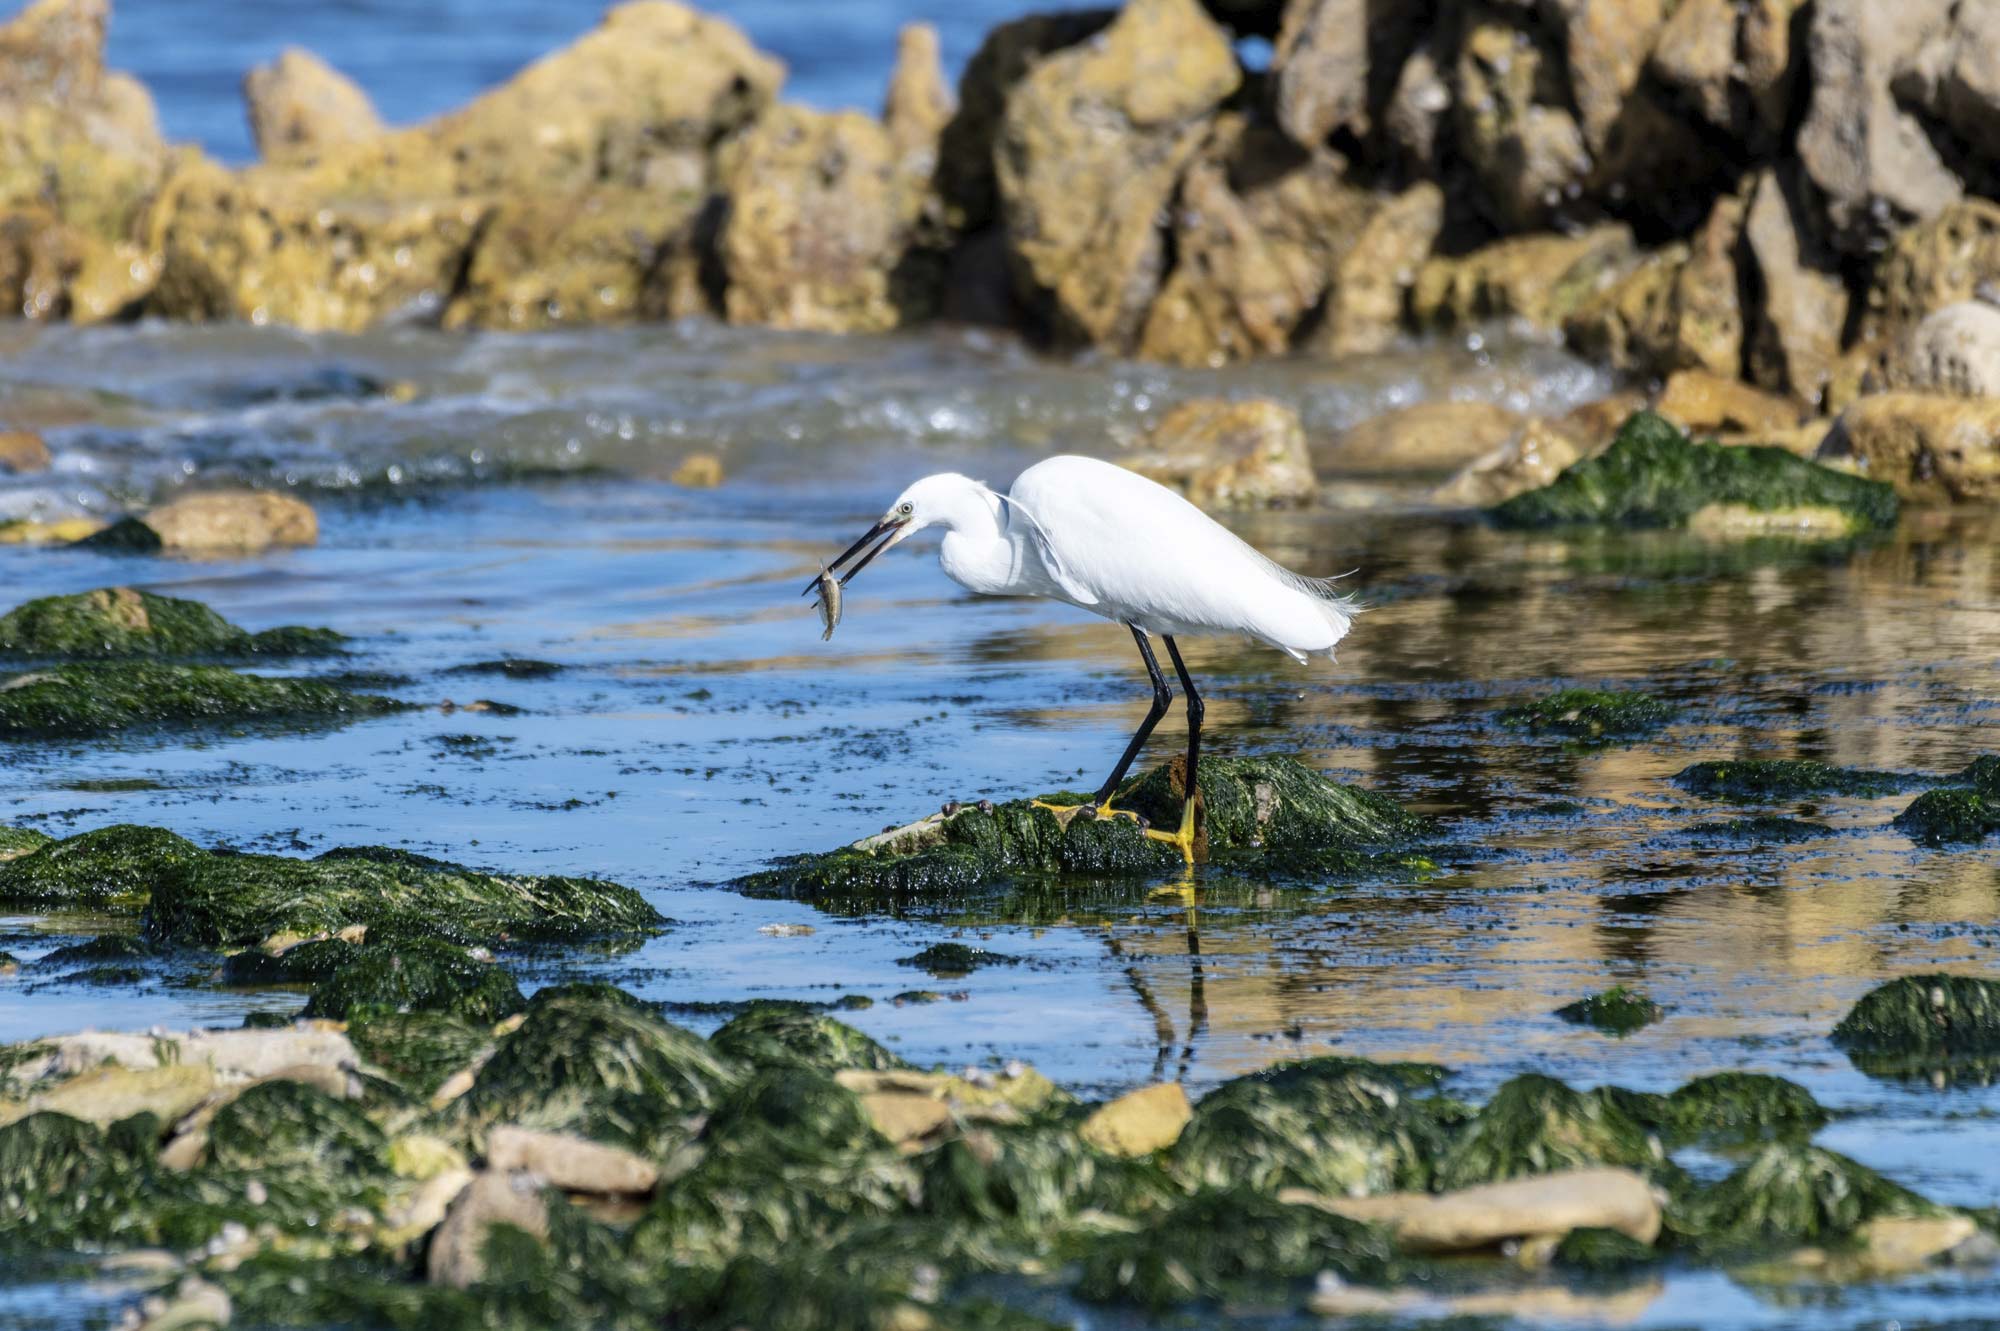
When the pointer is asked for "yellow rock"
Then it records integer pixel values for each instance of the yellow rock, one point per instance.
(1705, 403)
(1528, 461)
(1732, 520)
(1929, 446)
(300, 106)
(698, 471)
(1372, 280)
(1229, 454)
(1540, 278)
(906, 1118)
(23, 451)
(60, 532)
(105, 1095)
(1428, 437)
(421, 1156)
(1140, 1122)
(233, 521)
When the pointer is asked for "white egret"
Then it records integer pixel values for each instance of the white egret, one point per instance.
(1109, 541)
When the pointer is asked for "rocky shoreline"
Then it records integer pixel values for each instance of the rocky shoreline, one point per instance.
(1782, 209)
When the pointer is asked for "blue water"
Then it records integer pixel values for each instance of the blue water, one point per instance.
(419, 57)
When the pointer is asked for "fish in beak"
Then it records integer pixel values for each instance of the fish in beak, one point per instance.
(891, 529)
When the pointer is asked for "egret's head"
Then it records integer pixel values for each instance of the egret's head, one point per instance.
(933, 499)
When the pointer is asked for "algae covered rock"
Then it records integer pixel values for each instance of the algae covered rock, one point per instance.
(1289, 813)
(1790, 1194)
(419, 1051)
(80, 701)
(1590, 713)
(1654, 476)
(1753, 779)
(111, 867)
(780, 1035)
(121, 621)
(416, 976)
(1967, 810)
(283, 1123)
(1742, 1105)
(1616, 1011)
(1537, 1125)
(1920, 1023)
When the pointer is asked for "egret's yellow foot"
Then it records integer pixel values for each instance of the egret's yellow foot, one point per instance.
(1184, 838)
(1065, 812)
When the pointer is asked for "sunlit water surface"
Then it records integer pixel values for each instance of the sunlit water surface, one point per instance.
(506, 497)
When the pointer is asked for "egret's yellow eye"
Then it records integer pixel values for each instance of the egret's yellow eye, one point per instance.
(906, 508)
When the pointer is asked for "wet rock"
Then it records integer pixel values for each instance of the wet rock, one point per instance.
(1954, 814)
(1869, 158)
(1481, 1217)
(603, 256)
(1590, 714)
(79, 701)
(1631, 323)
(1340, 1126)
(1090, 151)
(772, 1035)
(1928, 446)
(1139, 1122)
(1919, 1024)
(22, 451)
(126, 536)
(1427, 437)
(1528, 460)
(1741, 1106)
(1320, 69)
(1654, 476)
(1273, 807)
(121, 621)
(105, 868)
(1260, 230)
(1373, 279)
(415, 975)
(457, 1256)
(233, 522)
(1795, 341)
(591, 1062)
(1536, 1125)
(1704, 403)
(1616, 1011)
(284, 1123)
(948, 960)
(817, 224)
(1176, 1259)
(1733, 63)
(573, 1164)
(105, 1095)
(698, 471)
(1790, 1194)
(1540, 279)
(1954, 350)
(300, 106)
(1229, 454)
(1932, 265)
(1513, 119)
(1756, 779)
(423, 1052)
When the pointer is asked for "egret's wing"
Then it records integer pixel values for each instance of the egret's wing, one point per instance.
(1058, 572)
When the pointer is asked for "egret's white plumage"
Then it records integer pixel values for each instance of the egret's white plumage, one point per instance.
(1118, 545)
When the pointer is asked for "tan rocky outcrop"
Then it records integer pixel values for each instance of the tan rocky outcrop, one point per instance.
(574, 1164)
(1091, 150)
(233, 522)
(1955, 350)
(1929, 266)
(1704, 403)
(1427, 437)
(1540, 278)
(458, 1249)
(1796, 339)
(1373, 279)
(1528, 460)
(1260, 231)
(1929, 446)
(1548, 1204)
(1511, 121)
(1733, 62)
(1139, 1122)
(1223, 454)
(300, 106)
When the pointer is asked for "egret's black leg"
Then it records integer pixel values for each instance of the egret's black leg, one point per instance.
(1195, 711)
(1162, 697)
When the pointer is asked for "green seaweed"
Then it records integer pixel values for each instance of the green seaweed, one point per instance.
(416, 976)
(1616, 1011)
(122, 621)
(1603, 1251)
(1951, 814)
(948, 960)
(1537, 1125)
(288, 1124)
(76, 701)
(1590, 713)
(1924, 1025)
(1653, 475)
(419, 1051)
(1742, 1106)
(1789, 1194)
(111, 867)
(776, 1035)
(18, 841)
(1020, 1191)
(1755, 779)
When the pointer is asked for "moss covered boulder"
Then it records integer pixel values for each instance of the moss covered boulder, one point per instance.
(1741, 1106)
(1966, 810)
(1537, 1125)
(1616, 1011)
(1921, 1025)
(783, 1035)
(77, 701)
(1790, 1194)
(1760, 779)
(113, 868)
(1275, 808)
(416, 976)
(278, 1124)
(121, 621)
(1653, 475)
(1590, 713)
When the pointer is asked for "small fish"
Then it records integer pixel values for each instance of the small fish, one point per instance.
(829, 602)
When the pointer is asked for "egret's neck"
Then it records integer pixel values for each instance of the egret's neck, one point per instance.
(977, 552)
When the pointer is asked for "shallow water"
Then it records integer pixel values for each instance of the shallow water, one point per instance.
(502, 497)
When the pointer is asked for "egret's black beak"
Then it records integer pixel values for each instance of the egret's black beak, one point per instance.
(889, 529)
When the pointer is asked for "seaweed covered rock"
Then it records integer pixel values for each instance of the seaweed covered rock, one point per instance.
(591, 1061)
(110, 868)
(1537, 1125)
(1590, 713)
(1922, 1024)
(1967, 810)
(1616, 1011)
(1790, 1194)
(1655, 476)
(945, 960)
(419, 1051)
(1178, 1258)
(120, 621)
(1742, 1105)
(1342, 1126)
(79, 701)
(416, 976)
(1280, 808)
(775, 1035)
(288, 1124)
(1025, 1188)
(1757, 779)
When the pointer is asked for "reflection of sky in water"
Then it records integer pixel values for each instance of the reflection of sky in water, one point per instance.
(702, 725)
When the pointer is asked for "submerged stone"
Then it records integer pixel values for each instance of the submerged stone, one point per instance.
(1590, 713)
(1616, 1011)
(122, 621)
(1343, 1126)
(1762, 830)
(1537, 1125)
(78, 701)
(1221, 1243)
(1754, 779)
(1790, 1194)
(773, 1035)
(1276, 807)
(415, 976)
(1600, 1250)
(1654, 476)
(948, 960)
(1956, 813)
(1922, 1025)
